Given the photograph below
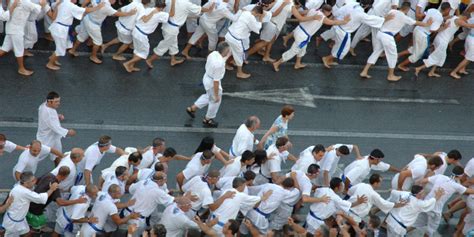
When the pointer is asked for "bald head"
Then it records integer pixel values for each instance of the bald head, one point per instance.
(113, 189)
(91, 188)
(76, 154)
(182, 201)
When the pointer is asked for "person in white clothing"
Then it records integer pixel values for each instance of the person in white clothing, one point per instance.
(310, 155)
(92, 157)
(170, 30)
(118, 177)
(453, 157)
(421, 35)
(14, 220)
(238, 36)
(125, 25)
(303, 183)
(415, 171)
(277, 153)
(244, 138)
(130, 162)
(342, 33)
(469, 46)
(15, 31)
(176, 221)
(384, 40)
(29, 159)
(146, 23)
(67, 11)
(70, 218)
(8, 146)
(151, 155)
(208, 25)
(320, 211)
(50, 131)
(239, 165)
(329, 162)
(429, 221)
(303, 33)
(399, 219)
(199, 165)
(360, 169)
(215, 71)
(200, 186)
(445, 35)
(90, 27)
(70, 160)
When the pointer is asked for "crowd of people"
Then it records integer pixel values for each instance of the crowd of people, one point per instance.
(250, 195)
(233, 21)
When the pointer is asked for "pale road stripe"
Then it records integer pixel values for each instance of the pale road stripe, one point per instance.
(308, 64)
(391, 100)
(304, 133)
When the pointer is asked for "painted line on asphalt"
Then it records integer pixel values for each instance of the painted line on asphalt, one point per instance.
(304, 133)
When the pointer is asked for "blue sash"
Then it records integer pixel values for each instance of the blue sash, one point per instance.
(388, 33)
(311, 213)
(241, 42)
(231, 150)
(17, 221)
(70, 31)
(124, 26)
(70, 226)
(262, 213)
(97, 229)
(79, 177)
(173, 24)
(308, 37)
(343, 44)
(399, 222)
(141, 31)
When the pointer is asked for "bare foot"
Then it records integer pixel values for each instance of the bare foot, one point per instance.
(127, 67)
(27, 53)
(25, 72)
(268, 60)
(394, 78)
(57, 63)
(464, 72)
(434, 74)
(326, 62)
(118, 57)
(276, 66)
(149, 63)
(73, 53)
(136, 69)
(102, 49)
(352, 51)
(455, 75)
(417, 71)
(52, 67)
(229, 67)
(261, 52)
(405, 69)
(285, 40)
(299, 66)
(243, 75)
(95, 60)
(186, 56)
(365, 75)
(176, 62)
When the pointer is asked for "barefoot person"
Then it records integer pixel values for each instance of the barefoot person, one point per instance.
(304, 32)
(147, 23)
(469, 57)
(385, 41)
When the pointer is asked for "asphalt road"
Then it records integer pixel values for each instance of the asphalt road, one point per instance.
(332, 106)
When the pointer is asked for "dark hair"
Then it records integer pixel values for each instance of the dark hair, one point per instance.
(159, 230)
(160, 3)
(222, 47)
(374, 221)
(213, 174)
(3, 137)
(375, 178)
(26, 176)
(335, 182)
(455, 154)
(113, 188)
(344, 150)
(104, 140)
(64, 171)
(169, 152)
(145, 2)
(377, 153)
(458, 170)
(120, 170)
(326, 8)
(436, 161)
(251, 121)
(157, 142)
(287, 110)
(194, 232)
(405, 5)
(207, 155)
(313, 169)
(288, 183)
(234, 226)
(247, 155)
(258, 9)
(415, 189)
(159, 166)
(281, 141)
(52, 95)
(260, 157)
(237, 182)
(135, 157)
(318, 148)
(249, 175)
(206, 144)
(445, 6)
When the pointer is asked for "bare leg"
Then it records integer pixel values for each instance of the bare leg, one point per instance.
(256, 47)
(403, 66)
(352, 51)
(276, 65)
(72, 51)
(403, 53)
(150, 60)
(461, 65)
(93, 57)
(186, 49)
(52, 62)
(328, 61)
(298, 64)
(21, 67)
(433, 73)
(118, 55)
(108, 44)
(130, 65)
(266, 57)
(365, 71)
(175, 61)
(286, 38)
(391, 75)
(241, 74)
(418, 69)
(27, 53)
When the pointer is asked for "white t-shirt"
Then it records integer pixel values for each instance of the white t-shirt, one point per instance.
(437, 21)
(28, 162)
(176, 221)
(358, 170)
(199, 187)
(243, 140)
(148, 196)
(104, 206)
(397, 23)
(305, 159)
(9, 146)
(233, 169)
(303, 181)
(215, 70)
(195, 167)
(450, 187)
(93, 156)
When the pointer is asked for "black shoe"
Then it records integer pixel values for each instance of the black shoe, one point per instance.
(210, 123)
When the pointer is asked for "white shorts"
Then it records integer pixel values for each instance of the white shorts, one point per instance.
(141, 48)
(191, 24)
(88, 29)
(428, 221)
(124, 38)
(469, 46)
(269, 31)
(420, 45)
(15, 42)
(280, 216)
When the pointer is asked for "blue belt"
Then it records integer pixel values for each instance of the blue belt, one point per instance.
(94, 227)
(311, 213)
(399, 222)
(172, 23)
(71, 38)
(95, 22)
(270, 180)
(351, 211)
(261, 212)
(70, 226)
(343, 44)
(241, 42)
(122, 212)
(124, 26)
(308, 37)
(231, 150)
(79, 176)
(427, 50)
(60, 23)
(226, 24)
(388, 33)
(141, 31)
(17, 221)
(412, 9)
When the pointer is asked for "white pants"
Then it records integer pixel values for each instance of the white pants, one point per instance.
(210, 31)
(384, 42)
(169, 44)
(295, 49)
(420, 45)
(428, 221)
(141, 47)
(191, 24)
(363, 31)
(342, 43)
(269, 31)
(209, 100)
(237, 47)
(15, 42)
(89, 29)
(124, 35)
(438, 56)
(469, 46)
(87, 231)
(280, 216)
(258, 220)
(394, 229)
(328, 34)
(313, 224)
(222, 27)
(407, 183)
(31, 34)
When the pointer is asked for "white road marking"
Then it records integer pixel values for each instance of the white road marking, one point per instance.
(304, 133)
